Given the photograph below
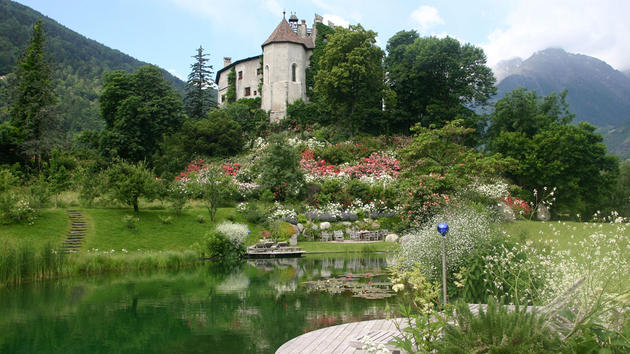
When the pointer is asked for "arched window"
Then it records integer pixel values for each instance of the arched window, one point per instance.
(294, 72)
(266, 77)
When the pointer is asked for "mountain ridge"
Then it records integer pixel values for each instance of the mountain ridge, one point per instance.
(78, 64)
(597, 93)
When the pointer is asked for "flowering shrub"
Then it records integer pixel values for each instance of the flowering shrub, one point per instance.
(234, 232)
(231, 168)
(519, 206)
(376, 165)
(16, 209)
(281, 213)
(468, 230)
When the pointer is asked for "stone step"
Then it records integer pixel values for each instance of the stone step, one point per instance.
(75, 237)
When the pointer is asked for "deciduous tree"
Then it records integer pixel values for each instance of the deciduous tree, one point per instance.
(350, 78)
(437, 80)
(138, 109)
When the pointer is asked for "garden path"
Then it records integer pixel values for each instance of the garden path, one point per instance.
(77, 232)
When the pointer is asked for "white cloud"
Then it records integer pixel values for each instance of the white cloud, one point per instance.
(426, 17)
(595, 28)
(337, 20)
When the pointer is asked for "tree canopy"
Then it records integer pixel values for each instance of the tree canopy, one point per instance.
(350, 78)
(138, 109)
(199, 94)
(535, 131)
(437, 80)
(33, 97)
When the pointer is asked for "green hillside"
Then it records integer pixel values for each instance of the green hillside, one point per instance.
(78, 64)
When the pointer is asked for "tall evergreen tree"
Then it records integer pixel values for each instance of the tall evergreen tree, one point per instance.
(33, 97)
(199, 93)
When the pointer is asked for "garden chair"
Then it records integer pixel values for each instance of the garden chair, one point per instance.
(325, 236)
(338, 235)
(354, 235)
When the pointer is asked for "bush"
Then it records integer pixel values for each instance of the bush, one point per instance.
(221, 249)
(254, 214)
(236, 233)
(281, 172)
(468, 229)
(498, 329)
(130, 222)
(281, 230)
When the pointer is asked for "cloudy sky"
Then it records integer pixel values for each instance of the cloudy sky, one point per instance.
(167, 32)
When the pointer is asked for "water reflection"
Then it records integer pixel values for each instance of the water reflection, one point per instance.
(252, 309)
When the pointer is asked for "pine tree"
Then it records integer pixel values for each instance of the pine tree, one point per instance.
(199, 87)
(34, 98)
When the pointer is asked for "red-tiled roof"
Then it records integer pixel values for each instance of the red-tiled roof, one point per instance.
(284, 33)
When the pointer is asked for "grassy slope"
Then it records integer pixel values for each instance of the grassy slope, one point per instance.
(52, 226)
(107, 231)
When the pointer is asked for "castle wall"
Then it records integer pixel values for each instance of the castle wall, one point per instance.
(249, 78)
(280, 86)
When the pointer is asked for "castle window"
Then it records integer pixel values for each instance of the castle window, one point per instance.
(222, 98)
(240, 75)
(247, 91)
(254, 92)
(258, 71)
(293, 72)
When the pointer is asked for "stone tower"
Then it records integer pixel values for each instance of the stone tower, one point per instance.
(286, 55)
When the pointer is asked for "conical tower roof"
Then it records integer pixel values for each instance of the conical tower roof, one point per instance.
(284, 33)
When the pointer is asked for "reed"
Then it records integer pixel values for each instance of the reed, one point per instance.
(23, 262)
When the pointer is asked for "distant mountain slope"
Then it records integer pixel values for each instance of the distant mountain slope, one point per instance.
(78, 62)
(597, 94)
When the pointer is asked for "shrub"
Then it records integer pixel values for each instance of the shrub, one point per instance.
(130, 222)
(468, 229)
(220, 248)
(253, 213)
(281, 230)
(201, 219)
(235, 233)
(281, 172)
(498, 329)
(166, 220)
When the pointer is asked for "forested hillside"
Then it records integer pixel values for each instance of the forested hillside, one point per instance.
(597, 93)
(78, 64)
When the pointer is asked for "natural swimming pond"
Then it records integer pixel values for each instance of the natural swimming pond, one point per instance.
(253, 308)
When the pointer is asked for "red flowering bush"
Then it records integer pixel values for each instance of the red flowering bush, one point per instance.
(519, 206)
(231, 168)
(194, 166)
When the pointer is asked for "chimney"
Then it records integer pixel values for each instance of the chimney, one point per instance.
(227, 61)
(302, 29)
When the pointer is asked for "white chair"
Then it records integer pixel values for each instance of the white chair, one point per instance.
(338, 234)
(325, 235)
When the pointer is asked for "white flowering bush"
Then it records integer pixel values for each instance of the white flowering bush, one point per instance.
(281, 213)
(234, 232)
(468, 229)
(494, 190)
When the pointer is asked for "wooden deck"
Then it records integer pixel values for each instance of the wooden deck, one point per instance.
(346, 338)
(338, 339)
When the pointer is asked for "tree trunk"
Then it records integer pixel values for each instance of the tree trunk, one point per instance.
(135, 204)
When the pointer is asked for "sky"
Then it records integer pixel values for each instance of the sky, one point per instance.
(168, 32)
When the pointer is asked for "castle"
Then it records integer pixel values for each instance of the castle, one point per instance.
(281, 67)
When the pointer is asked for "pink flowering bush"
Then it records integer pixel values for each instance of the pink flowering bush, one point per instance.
(377, 164)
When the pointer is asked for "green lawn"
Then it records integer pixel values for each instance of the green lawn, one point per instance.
(567, 235)
(107, 231)
(348, 247)
(52, 226)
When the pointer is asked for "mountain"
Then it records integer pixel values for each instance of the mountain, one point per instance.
(78, 63)
(597, 93)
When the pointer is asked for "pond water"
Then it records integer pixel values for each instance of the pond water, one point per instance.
(254, 308)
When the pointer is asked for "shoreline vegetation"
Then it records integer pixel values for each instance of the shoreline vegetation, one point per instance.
(31, 252)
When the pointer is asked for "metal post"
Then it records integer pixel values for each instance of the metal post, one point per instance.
(443, 229)
(444, 268)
